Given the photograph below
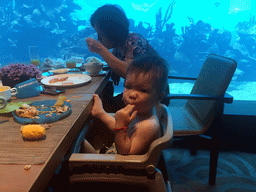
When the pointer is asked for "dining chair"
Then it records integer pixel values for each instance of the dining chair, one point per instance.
(124, 171)
(203, 108)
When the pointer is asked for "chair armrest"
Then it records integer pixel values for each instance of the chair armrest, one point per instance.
(227, 98)
(126, 161)
(183, 78)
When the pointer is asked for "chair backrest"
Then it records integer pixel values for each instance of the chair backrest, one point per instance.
(165, 140)
(213, 79)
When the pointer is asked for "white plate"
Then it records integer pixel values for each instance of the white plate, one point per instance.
(101, 73)
(74, 79)
(59, 71)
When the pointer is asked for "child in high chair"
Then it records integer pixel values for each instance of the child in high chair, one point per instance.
(136, 126)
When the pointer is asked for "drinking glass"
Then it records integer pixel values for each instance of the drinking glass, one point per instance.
(34, 55)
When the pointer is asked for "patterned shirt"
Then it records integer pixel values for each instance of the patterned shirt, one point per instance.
(136, 45)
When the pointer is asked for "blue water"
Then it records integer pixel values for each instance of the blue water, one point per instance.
(228, 28)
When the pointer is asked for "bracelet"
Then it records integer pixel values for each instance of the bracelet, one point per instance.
(121, 128)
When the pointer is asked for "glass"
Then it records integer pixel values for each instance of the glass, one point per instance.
(182, 32)
(34, 55)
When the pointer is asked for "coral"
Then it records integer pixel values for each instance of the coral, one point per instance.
(163, 41)
(161, 23)
(147, 32)
(195, 39)
(16, 73)
(222, 38)
(247, 33)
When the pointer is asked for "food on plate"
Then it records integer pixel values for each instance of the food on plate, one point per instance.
(60, 100)
(58, 79)
(32, 112)
(62, 97)
(27, 111)
(61, 109)
(32, 132)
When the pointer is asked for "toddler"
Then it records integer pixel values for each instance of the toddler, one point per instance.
(136, 126)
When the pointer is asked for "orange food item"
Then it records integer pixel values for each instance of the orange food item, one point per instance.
(58, 79)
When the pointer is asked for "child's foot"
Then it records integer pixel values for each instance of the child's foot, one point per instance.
(97, 107)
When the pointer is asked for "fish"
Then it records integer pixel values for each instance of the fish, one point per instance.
(13, 43)
(37, 12)
(26, 6)
(57, 30)
(62, 19)
(13, 4)
(217, 4)
(143, 7)
(236, 10)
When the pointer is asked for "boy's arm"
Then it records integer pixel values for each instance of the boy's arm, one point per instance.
(117, 65)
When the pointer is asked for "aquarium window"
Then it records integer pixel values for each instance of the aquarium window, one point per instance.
(182, 32)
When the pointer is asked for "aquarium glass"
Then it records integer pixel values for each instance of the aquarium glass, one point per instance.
(184, 32)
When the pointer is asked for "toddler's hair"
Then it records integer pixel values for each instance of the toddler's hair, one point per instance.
(155, 65)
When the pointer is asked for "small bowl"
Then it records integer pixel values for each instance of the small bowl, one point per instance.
(93, 68)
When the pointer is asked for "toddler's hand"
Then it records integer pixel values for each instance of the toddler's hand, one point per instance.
(125, 116)
(93, 45)
(97, 107)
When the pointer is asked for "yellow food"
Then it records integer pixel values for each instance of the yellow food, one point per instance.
(59, 102)
(2, 89)
(62, 97)
(32, 132)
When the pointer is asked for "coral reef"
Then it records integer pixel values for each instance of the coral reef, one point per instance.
(160, 23)
(247, 33)
(165, 41)
(195, 39)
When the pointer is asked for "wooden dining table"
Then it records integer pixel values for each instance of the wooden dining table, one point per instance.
(43, 157)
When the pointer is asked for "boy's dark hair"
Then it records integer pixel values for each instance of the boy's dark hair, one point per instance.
(155, 65)
(112, 21)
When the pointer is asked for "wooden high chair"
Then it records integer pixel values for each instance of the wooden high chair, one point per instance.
(124, 171)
